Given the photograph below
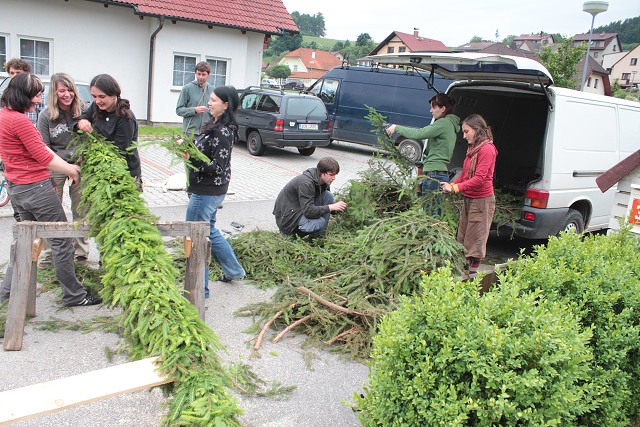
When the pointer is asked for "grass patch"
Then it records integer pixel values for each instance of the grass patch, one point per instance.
(162, 130)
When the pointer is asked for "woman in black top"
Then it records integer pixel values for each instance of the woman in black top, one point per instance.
(112, 117)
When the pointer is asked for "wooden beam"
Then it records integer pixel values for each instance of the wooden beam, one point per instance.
(53, 396)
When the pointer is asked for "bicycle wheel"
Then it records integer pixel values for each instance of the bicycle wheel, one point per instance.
(4, 193)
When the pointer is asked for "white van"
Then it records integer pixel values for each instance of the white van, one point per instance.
(552, 142)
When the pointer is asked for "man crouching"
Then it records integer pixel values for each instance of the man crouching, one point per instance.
(304, 205)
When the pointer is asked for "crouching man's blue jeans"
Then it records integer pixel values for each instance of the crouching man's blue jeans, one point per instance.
(317, 226)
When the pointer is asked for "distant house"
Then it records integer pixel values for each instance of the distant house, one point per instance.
(626, 205)
(149, 46)
(601, 44)
(496, 48)
(624, 67)
(597, 77)
(533, 42)
(308, 65)
(398, 42)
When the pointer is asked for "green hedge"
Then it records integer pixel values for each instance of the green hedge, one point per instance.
(452, 358)
(598, 276)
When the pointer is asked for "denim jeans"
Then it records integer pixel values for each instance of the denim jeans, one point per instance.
(205, 208)
(317, 226)
(432, 183)
(39, 202)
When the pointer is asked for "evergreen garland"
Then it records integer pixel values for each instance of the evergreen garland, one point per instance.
(140, 278)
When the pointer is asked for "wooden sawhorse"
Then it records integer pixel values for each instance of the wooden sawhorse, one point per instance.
(27, 244)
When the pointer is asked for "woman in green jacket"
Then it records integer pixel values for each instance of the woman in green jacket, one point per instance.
(442, 138)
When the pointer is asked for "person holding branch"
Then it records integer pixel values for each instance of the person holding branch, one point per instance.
(476, 183)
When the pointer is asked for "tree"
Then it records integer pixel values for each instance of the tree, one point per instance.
(475, 39)
(363, 39)
(509, 39)
(562, 62)
(310, 25)
(338, 46)
(280, 71)
(284, 43)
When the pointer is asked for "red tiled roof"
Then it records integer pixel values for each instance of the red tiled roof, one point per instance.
(417, 43)
(265, 16)
(323, 60)
(596, 36)
(313, 74)
(413, 43)
(534, 37)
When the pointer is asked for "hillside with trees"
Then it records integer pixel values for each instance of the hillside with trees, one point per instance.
(628, 31)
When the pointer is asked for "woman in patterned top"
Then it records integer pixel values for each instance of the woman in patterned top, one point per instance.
(208, 184)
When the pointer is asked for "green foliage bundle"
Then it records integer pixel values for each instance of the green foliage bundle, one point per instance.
(139, 277)
(449, 357)
(362, 268)
(599, 276)
(177, 145)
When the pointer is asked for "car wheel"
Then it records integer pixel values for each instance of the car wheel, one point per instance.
(255, 145)
(306, 151)
(573, 222)
(411, 149)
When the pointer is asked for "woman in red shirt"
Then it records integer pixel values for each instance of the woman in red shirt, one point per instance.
(27, 164)
(476, 183)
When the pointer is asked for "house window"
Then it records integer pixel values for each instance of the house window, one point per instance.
(634, 61)
(184, 69)
(402, 49)
(218, 75)
(595, 84)
(3, 52)
(390, 49)
(589, 82)
(36, 52)
(295, 67)
(626, 76)
(615, 47)
(595, 54)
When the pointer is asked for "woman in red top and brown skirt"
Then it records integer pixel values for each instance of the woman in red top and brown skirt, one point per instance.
(476, 183)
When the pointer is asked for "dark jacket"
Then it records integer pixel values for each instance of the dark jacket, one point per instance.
(297, 199)
(212, 179)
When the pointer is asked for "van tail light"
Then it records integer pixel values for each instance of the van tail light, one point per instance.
(537, 198)
(330, 126)
(279, 125)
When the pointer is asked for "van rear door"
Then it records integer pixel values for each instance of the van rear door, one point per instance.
(472, 66)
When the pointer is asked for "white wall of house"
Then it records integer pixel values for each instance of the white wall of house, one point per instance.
(295, 64)
(627, 69)
(594, 84)
(87, 39)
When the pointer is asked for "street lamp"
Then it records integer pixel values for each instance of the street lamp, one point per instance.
(594, 8)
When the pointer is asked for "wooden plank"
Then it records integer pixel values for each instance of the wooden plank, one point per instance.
(198, 259)
(81, 229)
(53, 396)
(17, 310)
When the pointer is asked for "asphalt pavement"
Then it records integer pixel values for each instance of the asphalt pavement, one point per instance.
(324, 380)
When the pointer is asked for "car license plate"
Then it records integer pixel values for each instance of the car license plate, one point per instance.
(307, 126)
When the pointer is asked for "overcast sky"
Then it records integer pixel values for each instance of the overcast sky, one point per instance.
(456, 22)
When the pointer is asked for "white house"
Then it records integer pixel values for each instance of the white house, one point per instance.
(624, 67)
(149, 46)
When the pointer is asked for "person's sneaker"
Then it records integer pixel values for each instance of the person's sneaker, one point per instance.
(81, 259)
(88, 300)
(224, 278)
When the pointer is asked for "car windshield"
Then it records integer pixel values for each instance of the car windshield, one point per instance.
(310, 108)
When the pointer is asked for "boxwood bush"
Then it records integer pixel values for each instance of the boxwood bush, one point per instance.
(599, 276)
(450, 357)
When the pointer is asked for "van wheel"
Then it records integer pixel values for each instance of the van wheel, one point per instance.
(573, 222)
(307, 151)
(411, 149)
(255, 145)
